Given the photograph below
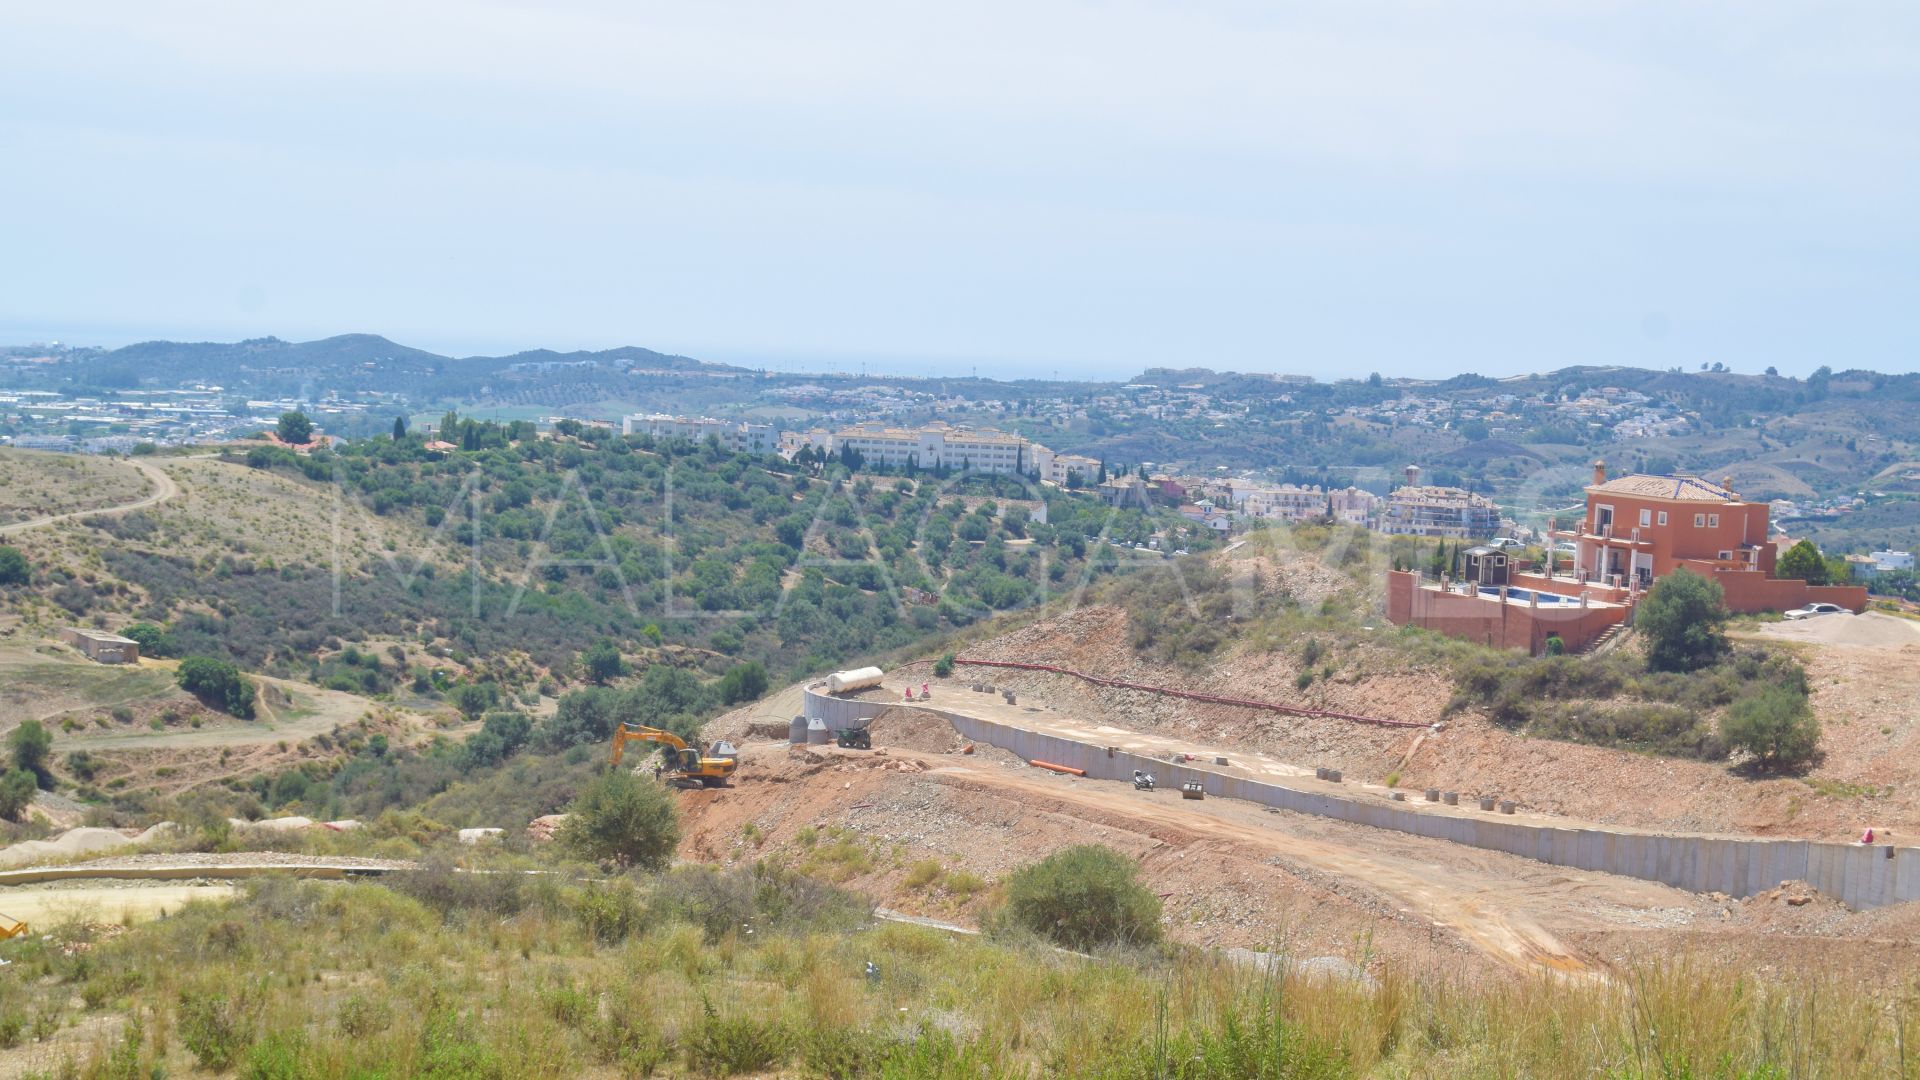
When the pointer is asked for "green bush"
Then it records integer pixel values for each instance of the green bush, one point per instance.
(743, 682)
(218, 684)
(13, 567)
(943, 667)
(764, 897)
(1085, 897)
(623, 818)
(29, 744)
(1683, 618)
(17, 789)
(1775, 726)
(154, 640)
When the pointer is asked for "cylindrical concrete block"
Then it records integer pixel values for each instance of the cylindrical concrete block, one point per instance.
(797, 730)
(1451, 798)
(1219, 760)
(1320, 772)
(1433, 794)
(1397, 796)
(1486, 802)
(1333, 775)
(1506, 806)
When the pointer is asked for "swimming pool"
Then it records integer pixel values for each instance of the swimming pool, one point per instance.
(1525, 596)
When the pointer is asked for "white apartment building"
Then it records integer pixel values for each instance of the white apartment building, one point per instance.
(935, 446)
(734, 435)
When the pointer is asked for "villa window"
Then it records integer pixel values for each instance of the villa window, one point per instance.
(1646, 518)
(1713, 521)
(1663, 517)
(1699, 521)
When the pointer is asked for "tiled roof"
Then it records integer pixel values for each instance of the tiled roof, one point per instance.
(1685, 488)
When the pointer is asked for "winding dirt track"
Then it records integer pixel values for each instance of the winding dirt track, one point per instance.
(164, 488)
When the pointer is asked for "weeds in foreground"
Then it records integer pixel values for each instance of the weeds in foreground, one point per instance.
(306, 979)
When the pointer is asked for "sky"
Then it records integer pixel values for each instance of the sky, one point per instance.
(1025, 188)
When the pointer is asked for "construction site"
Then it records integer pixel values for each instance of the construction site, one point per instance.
(1270, 822)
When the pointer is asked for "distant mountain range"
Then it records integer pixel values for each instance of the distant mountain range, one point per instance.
(345, 363)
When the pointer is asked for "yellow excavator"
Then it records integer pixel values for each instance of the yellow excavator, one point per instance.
(10, 928)
(711, 769)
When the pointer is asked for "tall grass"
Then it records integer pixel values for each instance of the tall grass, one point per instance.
(304, 979)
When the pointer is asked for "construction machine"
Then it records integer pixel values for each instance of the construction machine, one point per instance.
(683, 761)
(10, 928)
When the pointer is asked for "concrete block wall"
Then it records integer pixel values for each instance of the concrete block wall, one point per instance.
(1859, 876)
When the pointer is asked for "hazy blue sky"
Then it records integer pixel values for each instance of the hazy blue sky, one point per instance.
(1328, 188)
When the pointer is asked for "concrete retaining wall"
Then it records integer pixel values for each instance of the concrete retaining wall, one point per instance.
(839, 713)
(1859, 876)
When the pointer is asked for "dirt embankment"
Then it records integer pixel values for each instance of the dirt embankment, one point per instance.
(1866, 695)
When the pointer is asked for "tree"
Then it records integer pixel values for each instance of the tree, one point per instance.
(17, 789)
(1802, 562)
(625, 819)
(1683, 617)
(1083, 898)
(472, 699)
(943, 667)
(13, 567)
(602, 662)
(743, 682)
(154, 640)
(30, 744)
(295, 429)
(218, 684)
(1775, 726)
(399, 428)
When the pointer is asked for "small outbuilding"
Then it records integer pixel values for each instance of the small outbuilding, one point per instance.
(1485, 565)
(102, 647)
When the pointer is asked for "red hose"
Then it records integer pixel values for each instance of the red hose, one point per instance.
(1216, 699)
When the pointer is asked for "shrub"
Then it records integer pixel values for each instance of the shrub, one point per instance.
(218, 684)
(29, 745)
(1085, 897)
(216, 1027)
(603, 663)
(154, 640)
(1683, 617)
(1775, 726)
(610, 912)
(943, 667)
(625, 819)
(924, 873)
(764, 897)
(13, 567)
(17, 789)
(743, 682)
(732, 1045)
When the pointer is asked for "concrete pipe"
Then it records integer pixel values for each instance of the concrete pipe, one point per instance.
(1486, 802)
(1219, 761)
(1433, 794)
(1320, 772)
(1333, 775)
(1506, 806)
(1451, 798)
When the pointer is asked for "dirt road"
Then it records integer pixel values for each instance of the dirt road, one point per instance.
(1481, 905)
(164, 488)
(42, 908)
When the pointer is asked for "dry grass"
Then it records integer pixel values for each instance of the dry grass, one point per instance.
(356, 979)
(34, 484)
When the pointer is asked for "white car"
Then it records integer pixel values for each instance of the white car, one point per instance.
(1812, 610)
(1505, 543)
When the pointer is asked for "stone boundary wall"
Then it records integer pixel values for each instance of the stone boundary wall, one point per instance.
(1860, 876)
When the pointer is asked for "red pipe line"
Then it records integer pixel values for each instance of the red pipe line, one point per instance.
(1068, 769)
(1216, 699)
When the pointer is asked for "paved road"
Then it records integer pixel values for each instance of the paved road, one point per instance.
(163, 489)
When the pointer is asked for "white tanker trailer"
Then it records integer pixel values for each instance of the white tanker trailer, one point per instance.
(842, 682)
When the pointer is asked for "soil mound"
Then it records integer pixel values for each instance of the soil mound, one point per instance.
(912, 729)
